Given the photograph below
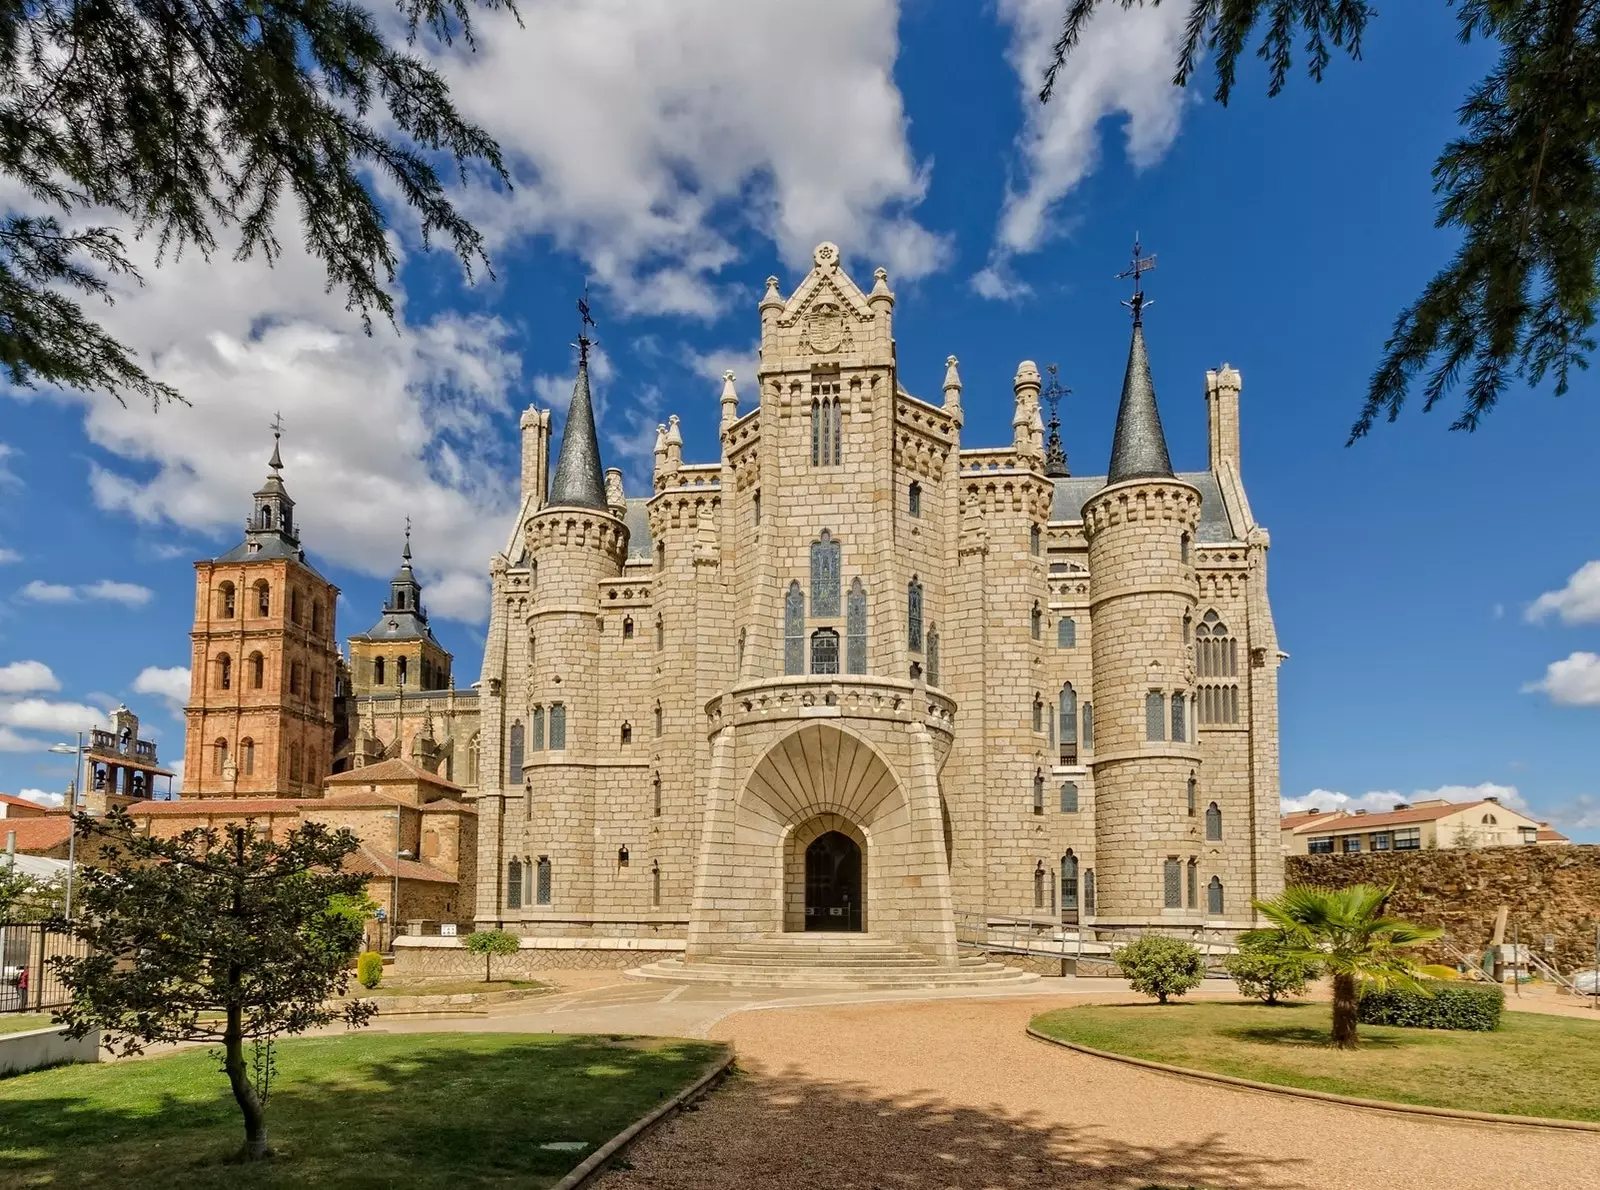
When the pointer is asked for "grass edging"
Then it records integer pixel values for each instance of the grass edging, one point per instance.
(597, 1160)
(1414, 1109)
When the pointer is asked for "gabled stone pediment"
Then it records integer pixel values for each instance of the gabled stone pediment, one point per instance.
(826, 285)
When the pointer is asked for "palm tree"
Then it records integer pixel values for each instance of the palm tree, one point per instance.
(1344, 930)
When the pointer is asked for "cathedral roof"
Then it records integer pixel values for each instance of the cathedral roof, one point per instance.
(399, 625)
(1139, 449)
(579, 479)
(271, 532)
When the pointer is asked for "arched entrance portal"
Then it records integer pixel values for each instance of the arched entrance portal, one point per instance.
(833, 883)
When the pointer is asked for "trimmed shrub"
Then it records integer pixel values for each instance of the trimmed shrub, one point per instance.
(1267, 969)
(369, 969)
(489, 943)
(1161, 967)
(1474, 1006)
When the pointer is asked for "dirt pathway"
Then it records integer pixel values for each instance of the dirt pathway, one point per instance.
(952, 1095)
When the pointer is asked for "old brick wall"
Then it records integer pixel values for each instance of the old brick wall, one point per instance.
(1551, 890)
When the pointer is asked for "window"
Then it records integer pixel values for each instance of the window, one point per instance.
(1155, 716)
(755, 506)
(514, 762)
(627, 627)
(1036, 622)
(1179, 727)
(536, 723)
(1038, 791)
(247, 756)
(1214, 897)
(1172, 883)
(263, 598)
(542, 887)
(1033, 540)
(794, 630)
(914, 616)
(660, 720)
(219, 756)
(224, 672)
(856, 629)
(377, 671)
(1350, 844)
(316, 617)
(824, 651)
(558, 727)
(1066, 633)
(1219, 704)
(1529, 834)
(316, 687)
(1193, 881)
(1213, 822)
(1067, 723)
(655, 886)
(933, 655)
(514, 884)
(825, 425)
(472, 760)
(739, 660)
(914, 499)
(1069, 881)
(1489, 820)
(294, 606)
(1320, 845)
(1069, 797)
(258, 668)
(1183, 549)
(1088, 891)
(1038, 713)
(1405, 839)
(626, 734)
(400, 670)
(655, 795)
(294, 677)
(1038, 886)
(1088, 727)
(225, 601)
(825, 576)
(1194, 788)
(1380, 842)
(1216, 652)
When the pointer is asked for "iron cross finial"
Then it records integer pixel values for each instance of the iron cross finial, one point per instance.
(1141, 264)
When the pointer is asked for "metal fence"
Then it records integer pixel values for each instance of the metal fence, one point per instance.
(28, 981)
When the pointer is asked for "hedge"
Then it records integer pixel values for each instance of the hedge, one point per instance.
(1474, 1006)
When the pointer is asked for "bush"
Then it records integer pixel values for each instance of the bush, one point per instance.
(1161, 967)
(369, 969)
(1268, 969)
(1475, 1006)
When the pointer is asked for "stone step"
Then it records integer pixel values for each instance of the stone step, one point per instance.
(864, 977)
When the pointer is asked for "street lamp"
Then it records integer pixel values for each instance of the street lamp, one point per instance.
(76, 752)
(394, 888)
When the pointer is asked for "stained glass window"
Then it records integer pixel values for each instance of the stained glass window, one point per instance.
(1214, 897)
(824, 651)
(537, 720)
(1069, 797)
(558, 726)
(1067, 723)
(1155, 716)
(1172, 884)
(1069, 881)
(514, 884)
(514, 762)
(1179, 727)
(856, 629)
(542, 887)
(794, 630)
(1066, 633)
(825, 576)
(914, 616)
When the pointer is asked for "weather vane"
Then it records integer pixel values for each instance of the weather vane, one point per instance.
(1141, 264)
(584, 325)
(1055, 457)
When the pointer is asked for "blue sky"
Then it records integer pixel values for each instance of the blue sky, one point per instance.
(675, 155)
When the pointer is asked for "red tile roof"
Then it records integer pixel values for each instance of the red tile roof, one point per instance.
(37, 835)
(395, 769)
(213, 806)
(360, 798)
(1346, 821)
(23, 803)
(376, 863)
(1548, 834)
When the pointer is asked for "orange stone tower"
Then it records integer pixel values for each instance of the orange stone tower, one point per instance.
(260, 713)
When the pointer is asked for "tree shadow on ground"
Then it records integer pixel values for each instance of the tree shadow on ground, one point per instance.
(424, 1111)
(791, 1132)
(1305, 1036)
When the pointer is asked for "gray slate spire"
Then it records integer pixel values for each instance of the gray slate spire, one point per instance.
(579, 479)
(1139, 449)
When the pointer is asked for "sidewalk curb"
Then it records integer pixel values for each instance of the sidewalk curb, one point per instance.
(1408, 1109)
(597, 1161)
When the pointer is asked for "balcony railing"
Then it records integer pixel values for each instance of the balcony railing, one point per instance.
(107, 742)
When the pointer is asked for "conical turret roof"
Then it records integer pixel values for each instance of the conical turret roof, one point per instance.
(579, 479)
(1139, 448)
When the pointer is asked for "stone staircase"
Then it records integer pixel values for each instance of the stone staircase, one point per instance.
(832, 962)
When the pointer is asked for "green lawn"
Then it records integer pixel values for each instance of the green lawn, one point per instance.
(364, 1110)
(1532, 1066)
(442, 987)
(21, 1022)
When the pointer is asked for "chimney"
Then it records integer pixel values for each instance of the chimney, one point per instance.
(1495, 800)
(1360, 812)
(1402, 805)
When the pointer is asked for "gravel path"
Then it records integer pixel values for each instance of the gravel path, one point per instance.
(952, 1095)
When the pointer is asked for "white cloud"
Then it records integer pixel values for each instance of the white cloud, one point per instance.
(12, 741)
(38, 714)
(642, 134)
(460, 596)
(7, 475)
(25, 677)
(8, 556)
(108, 590)
(1573, 681)
(44, 797)
(170, 684)
(1121, 69)
(1576, 603)
(1378, 801)
(1582, 813)
(39, 591)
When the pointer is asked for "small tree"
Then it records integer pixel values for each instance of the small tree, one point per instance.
(218, 934)
(1345, 931)
(24, 897)
(1268, 968)
(489, 943)
(1161, 967)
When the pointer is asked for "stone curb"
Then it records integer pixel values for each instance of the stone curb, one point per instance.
(1409, 1109)
(390, 1005)
(597, 1160)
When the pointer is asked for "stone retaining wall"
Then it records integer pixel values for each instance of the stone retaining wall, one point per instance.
(37, 1048)
(434, 961)
(1550, 890)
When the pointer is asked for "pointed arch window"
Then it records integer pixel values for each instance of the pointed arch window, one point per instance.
(1067, 724)
(914, 499)
(825, 575)
(1038, 713)
(1038, 886)
(514, 761)
(514, 884)
(1038, 791)
(536, 725)
(1155, 716)
(1193, 883)
(824, 651)
(542, 884)
(1088, 727)
(1171, 883)
(1066, 633)
(826, 426)
(627, 627)
(655, 795)
(1036, 622)
(932, 654)
(626, 734)
(1214, 897)
(1216, 651)
(794, 629)
(1069, 881)
(558, 726)
(914, 615)
(224, 672)
(472, 760)
(1213, 823)
(856, 628)
(1179, 726)
(1069, 797)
